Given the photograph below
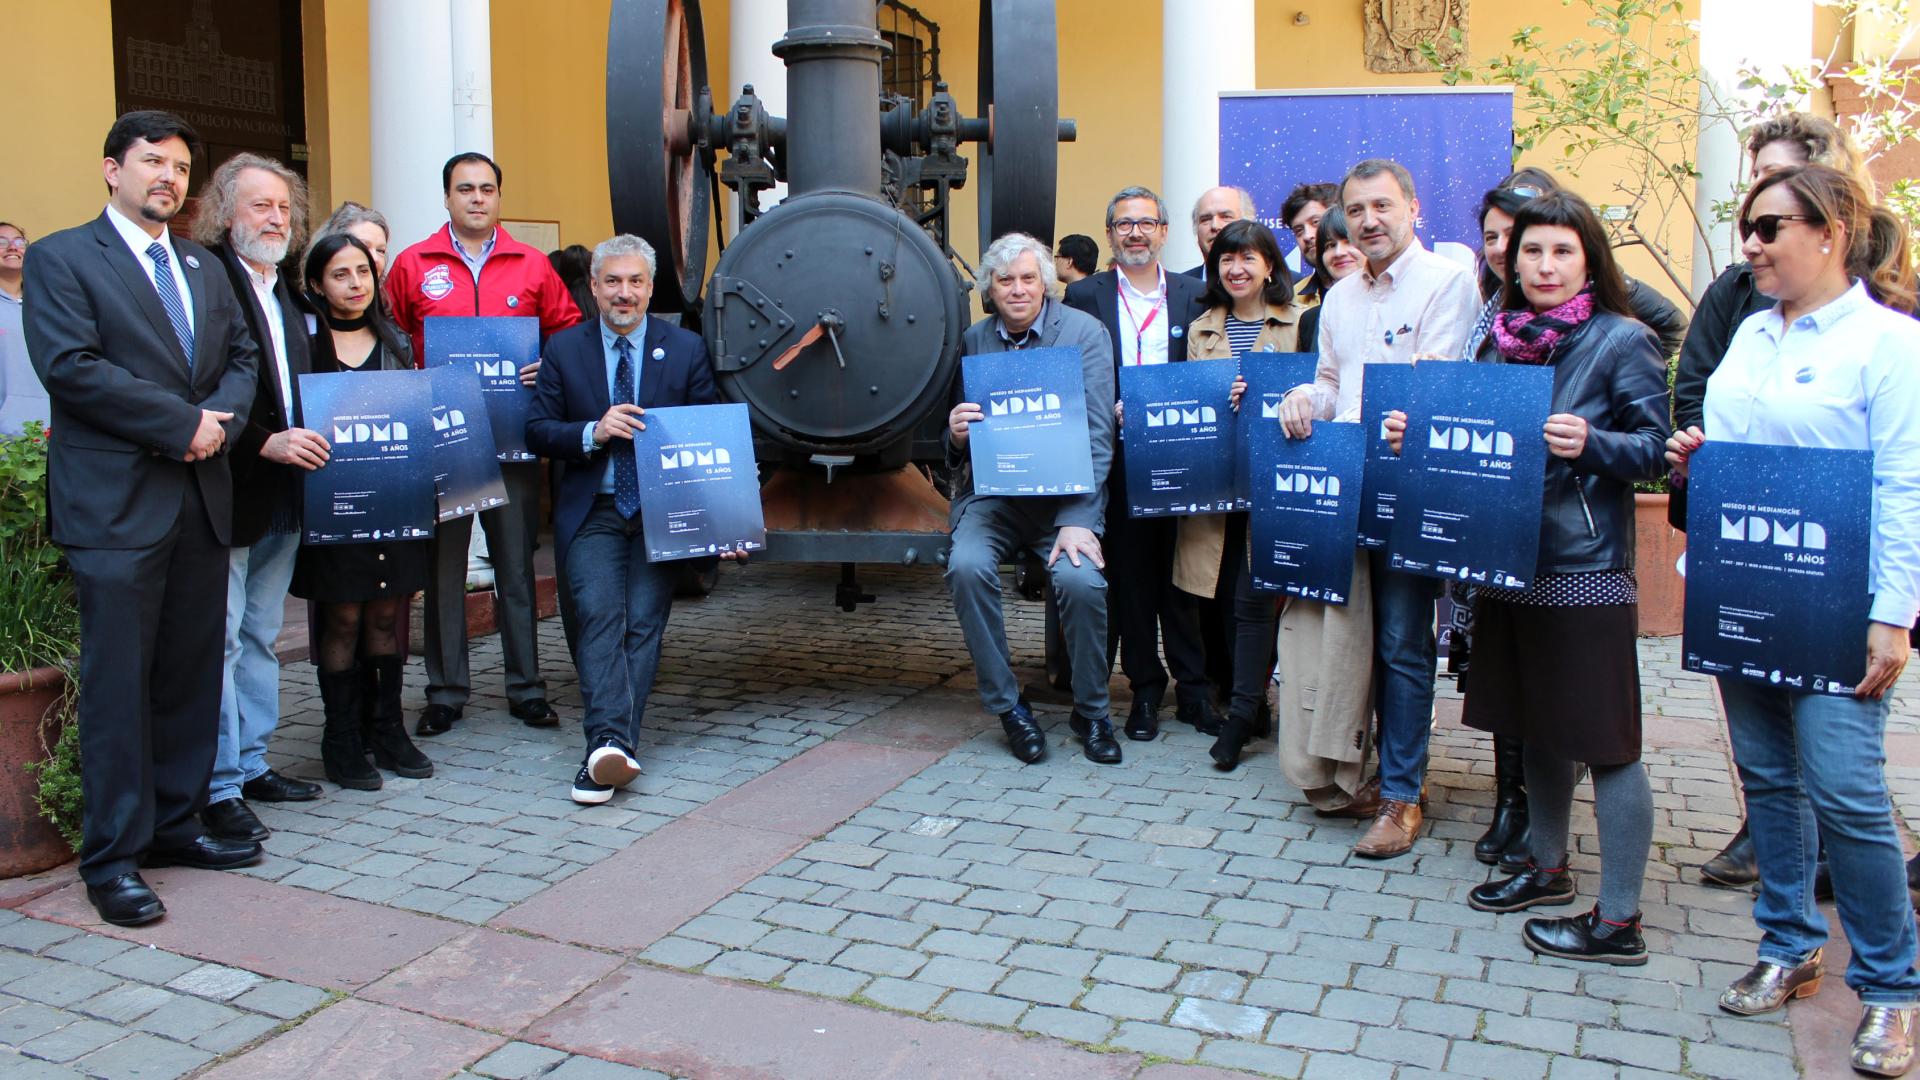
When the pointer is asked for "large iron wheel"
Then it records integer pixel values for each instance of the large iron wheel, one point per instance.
(658, 172)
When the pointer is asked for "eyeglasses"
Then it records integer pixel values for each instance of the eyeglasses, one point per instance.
(18, 243)
(1127, 225)
(1768, 225)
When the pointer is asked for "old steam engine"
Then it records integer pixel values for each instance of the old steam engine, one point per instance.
(835, 315)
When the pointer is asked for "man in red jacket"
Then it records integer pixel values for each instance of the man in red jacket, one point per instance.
(472, 267)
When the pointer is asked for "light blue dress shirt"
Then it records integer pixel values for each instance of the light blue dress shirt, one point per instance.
(475, 262)
(608, 339)
(1845, 377)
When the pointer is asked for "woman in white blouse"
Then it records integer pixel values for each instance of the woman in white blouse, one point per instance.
(1834, 363)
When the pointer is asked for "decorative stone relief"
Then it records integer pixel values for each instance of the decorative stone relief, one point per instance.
(1397, 28)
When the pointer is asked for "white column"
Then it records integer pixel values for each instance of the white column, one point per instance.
(752, 28)
(410, 73)
(472, 76)
(1736, 34)
(1206, 47)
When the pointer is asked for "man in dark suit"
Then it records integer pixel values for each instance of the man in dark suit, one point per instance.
(1146, 312)
(150, 367)
(252, 210)
(596, 381)
(1215, 209)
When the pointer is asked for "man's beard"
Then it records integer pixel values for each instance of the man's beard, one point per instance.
(156, 215)
(1143, 257)
(251, 246)
(624, 320)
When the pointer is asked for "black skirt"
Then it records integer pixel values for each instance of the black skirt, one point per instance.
(1566, 679)
(355, 573)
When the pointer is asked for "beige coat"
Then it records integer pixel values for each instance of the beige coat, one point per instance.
(1203, 537)
(1325, 697)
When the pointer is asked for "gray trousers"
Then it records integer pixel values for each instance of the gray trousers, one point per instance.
(989, 530)
(510, 535)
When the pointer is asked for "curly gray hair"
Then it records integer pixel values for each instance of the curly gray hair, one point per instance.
(620, 247)
(1004, 252)
(220, 199)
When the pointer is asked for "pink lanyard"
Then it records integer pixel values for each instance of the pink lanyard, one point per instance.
(1140, 329)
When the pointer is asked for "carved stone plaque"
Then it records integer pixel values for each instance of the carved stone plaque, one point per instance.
(1397, 28)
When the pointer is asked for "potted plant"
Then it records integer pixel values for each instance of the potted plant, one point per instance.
(39, 644)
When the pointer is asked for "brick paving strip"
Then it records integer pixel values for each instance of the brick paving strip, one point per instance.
(812, 829)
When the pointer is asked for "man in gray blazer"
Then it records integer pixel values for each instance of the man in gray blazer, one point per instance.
(150, 368)
(1017, 276)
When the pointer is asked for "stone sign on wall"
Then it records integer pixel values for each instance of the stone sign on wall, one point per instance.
(1397, 28)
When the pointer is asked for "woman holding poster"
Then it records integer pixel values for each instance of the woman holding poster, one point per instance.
(1250, 308)
(1831, 364)
(360, 591)
(1555, 663)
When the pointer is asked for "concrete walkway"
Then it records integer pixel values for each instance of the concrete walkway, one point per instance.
(833, 869)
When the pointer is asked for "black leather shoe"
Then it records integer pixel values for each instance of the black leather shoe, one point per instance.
(1588, 937)
(270, 786)
(1197, 710)
(1226, 748)
(233, 819)
(1517, 858)
(126, 901)
(437, 719)
(1143, 719)
(1534, 888)
(1735, 867)
(206, 853)
(1099, 743)
(536, 713)
(1024, 736)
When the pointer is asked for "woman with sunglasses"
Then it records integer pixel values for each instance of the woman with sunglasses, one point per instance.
(1831, 364)
(1555, 664)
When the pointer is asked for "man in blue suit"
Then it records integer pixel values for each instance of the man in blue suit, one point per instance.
(597, 380)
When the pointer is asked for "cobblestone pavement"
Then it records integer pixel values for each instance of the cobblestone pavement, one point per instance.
(1157, 912)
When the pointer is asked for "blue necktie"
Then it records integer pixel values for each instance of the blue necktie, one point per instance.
(170, 299)
(626, 474)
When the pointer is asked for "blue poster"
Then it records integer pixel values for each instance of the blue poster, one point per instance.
(497, 347)
(377, 483)
(1269, 376)
(1456, 142)
(1384, 388)
(1306, 506)
(1476, 468)
(1034, 440)
(1178, 437)
(1778, 545)
(466, 472)
(699, 486)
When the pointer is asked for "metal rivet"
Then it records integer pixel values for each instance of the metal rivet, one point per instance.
(869, 251)
(763, 343)
(913, 318)
(752, 324)
(873, 389)
(793, 393)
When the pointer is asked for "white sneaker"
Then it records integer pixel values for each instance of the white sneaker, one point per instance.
(610, 764)
(589, 792)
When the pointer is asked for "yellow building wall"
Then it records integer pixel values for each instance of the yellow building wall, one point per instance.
(58, 85)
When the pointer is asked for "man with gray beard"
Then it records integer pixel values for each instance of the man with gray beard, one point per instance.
(252, 211)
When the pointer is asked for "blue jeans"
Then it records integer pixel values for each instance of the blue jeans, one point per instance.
(257, 580)
(1405, 659)
(1814, 769)
(621, 602)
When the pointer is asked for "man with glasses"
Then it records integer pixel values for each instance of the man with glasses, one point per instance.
(1406, 302)
(1215, 209)
(22, 399)
(1146, 312)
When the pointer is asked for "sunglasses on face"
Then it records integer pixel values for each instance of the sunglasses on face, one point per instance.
(1768, 225)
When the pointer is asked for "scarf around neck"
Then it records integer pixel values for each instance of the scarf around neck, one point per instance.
(1529, 337)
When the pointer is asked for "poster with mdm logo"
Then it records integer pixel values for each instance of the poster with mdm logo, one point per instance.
(1384, 389)
(699, 489)
(1179, 437)
(1306, 507)
(1269, 376)
(1778, 543)
(1034, 440)
(1476, 467)
(497, 347)
(466, 472)
(377, 484)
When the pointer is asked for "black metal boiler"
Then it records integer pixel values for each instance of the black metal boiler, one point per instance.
(836, 314)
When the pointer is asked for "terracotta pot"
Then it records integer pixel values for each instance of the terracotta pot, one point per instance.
(1658, 545)
(28, 842)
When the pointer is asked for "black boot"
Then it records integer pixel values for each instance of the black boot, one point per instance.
(1735, 866)
(1196, 708)
(342, 754)
(1233, 739)
(1143, 719)
(386, 727)
(1509, 801)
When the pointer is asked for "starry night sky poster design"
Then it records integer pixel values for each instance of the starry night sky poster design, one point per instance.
(1778, 547)
(377, 483)
(699, 486)
(1179, 442)
(466, 468)
(1384, 389)
(1034, 440)
(1269, 376)
(497, 346)
(1306, 507)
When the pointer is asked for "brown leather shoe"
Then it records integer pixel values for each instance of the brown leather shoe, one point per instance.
(1364, 807)
(1392, 833)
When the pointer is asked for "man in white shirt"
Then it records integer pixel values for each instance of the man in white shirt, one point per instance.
(1407, 303)
(252, 211)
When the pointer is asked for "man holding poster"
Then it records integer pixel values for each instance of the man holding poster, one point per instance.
(1017, 274)
(1407, 302)
(598, 380)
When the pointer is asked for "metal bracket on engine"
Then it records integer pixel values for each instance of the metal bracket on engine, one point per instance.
(741, 341)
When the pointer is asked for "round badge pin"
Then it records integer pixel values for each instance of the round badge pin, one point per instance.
(513, 301)
(1804, 375)
(659, 353)
(1176, 331)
